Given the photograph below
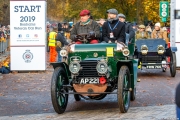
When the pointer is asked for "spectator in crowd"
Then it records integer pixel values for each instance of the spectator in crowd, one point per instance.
(60, 42)
(113, 30)
(8, 30)
(5, 66)
(2, 35)
(101, 22)
(158, 33)
(48, 31)
(86, 26)
(148, 29)
(128, 28)
(141, 33)
(134, 26)
(166, 31)
(52, 45)
(177, 100)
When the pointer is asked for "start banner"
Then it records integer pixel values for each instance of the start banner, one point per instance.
(28, 34)
(28, 22)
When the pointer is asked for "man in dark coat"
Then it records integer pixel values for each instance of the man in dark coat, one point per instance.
(177, 100)
(60, 41)
(85, 26)
(113, 30)
(128, 27)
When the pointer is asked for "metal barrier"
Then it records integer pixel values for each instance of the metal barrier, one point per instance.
(4, 46)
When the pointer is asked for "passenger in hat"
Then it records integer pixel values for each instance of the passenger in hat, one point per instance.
(113, 30)
(128, 27)
(158, 33)
(141, 33)
(87, 26)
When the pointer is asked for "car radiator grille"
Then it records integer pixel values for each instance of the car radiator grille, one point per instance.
(151, 59)
(88, 69)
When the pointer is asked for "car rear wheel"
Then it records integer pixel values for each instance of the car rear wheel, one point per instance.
(133, 94)
(77, 97)
(173, 64)
(123, 93)
(59, 99)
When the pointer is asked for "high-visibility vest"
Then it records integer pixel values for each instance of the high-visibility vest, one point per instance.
(52, 38)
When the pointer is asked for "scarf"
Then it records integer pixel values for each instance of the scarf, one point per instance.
(157, 33)
(85, 23)
(112, 19)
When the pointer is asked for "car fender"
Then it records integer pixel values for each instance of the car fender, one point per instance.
(133, 68)
(63, 65)
(170, 50)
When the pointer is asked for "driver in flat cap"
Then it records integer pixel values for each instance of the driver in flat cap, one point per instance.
(87, 26)
(113, 30)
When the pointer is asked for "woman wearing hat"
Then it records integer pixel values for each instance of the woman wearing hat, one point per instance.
(158, 33)
(141, 33)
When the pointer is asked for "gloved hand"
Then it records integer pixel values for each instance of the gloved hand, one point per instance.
(78, 37)
(58, 44)
(91, 35)
(109, 41)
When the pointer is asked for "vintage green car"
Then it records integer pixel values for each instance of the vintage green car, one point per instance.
(91, 71)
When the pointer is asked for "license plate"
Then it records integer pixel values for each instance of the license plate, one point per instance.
(153, 66)
(89, 80)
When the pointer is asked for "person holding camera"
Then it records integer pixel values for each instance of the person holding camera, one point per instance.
(85, 26)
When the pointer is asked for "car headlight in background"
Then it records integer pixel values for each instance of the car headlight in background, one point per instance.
(160, 49)
(74, 67)
(125, 52)
(144, 49)
(63, 53)
(102, 67)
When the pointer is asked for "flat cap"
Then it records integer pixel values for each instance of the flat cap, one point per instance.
(84, 12)
(121, 15)
(141, 26)
(112, 11)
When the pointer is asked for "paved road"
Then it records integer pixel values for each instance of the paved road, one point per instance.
(29, 93)
(166, 112)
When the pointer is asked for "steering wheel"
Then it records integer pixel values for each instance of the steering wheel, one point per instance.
(83, 37)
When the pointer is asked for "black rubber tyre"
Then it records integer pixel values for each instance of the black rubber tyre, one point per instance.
(133, 94)
(59, 100)
(173, 64)
(98, 97)
(123, 93)
(77, 97)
